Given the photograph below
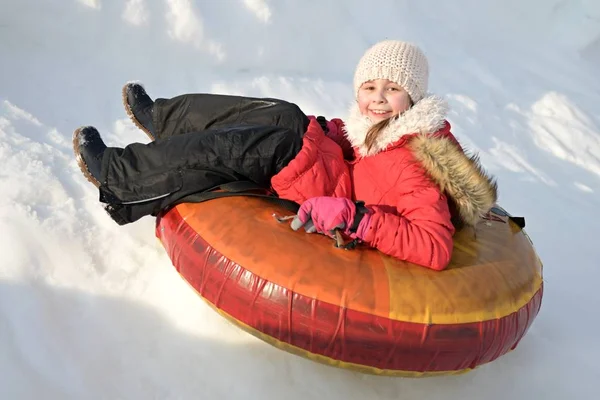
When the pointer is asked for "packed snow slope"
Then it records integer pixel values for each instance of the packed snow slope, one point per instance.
(92, 310)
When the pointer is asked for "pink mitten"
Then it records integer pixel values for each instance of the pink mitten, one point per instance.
(326, 214)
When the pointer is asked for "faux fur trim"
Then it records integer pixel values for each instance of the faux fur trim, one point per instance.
(427, 116)
(460, 176)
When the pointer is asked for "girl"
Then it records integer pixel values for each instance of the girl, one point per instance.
(391, 176)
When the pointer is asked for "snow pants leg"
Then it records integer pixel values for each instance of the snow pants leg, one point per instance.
(198, 112)
(143, 179)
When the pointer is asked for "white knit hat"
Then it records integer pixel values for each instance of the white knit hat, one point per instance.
(399, 62)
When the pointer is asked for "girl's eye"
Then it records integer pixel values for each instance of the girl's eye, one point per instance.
(393, 89)
(368, 87)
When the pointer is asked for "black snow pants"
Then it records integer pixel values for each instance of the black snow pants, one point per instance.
(203, 141)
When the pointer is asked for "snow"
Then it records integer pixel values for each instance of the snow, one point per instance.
(136, 13)
(89, 309)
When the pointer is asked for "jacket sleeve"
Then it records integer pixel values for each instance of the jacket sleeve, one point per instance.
(420, 232)
(336, 133)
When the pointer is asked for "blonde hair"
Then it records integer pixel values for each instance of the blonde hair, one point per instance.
(374, 132)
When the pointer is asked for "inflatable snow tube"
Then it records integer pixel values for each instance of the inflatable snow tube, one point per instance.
(357, 309)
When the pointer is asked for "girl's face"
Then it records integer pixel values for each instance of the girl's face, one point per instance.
(380, 99)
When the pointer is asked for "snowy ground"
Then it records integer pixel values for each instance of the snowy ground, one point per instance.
(91, 310)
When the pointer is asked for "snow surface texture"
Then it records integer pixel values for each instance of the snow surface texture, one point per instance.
(91, 310)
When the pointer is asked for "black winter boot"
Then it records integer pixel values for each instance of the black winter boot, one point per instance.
(138, 106)
(89, 148)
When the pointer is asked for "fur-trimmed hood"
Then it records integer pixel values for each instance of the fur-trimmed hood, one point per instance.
(427, 116)
(460, 176)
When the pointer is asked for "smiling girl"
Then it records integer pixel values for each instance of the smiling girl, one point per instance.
(391, 175)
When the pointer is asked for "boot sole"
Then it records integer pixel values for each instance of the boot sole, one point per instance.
(130, 113)
(82, 165)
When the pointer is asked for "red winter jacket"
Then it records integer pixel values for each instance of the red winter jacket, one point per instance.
(405, 180)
